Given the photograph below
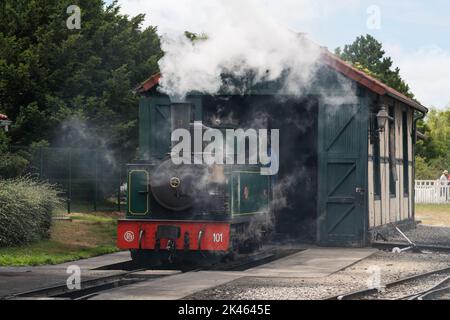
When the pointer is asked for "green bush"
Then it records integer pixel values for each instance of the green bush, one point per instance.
(12, 165)
(26, 208)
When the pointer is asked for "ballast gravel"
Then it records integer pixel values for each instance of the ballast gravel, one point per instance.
(425, 234)
(385, 266)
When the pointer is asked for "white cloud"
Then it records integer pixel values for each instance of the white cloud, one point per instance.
(242, 36)
(179, 15)
(427, 71)
(170, 15)
(417, 12)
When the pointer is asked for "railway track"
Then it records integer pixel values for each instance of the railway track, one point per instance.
(420, 247)
(92, 287)
(424, 286)
(253, 260)
(437, 292)
(88, 288)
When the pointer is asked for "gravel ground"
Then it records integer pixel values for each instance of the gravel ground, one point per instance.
(441, 295)
(391, 266)
(423, 234)
(407, 288)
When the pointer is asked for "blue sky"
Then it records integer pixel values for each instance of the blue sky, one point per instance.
(411, 24)
(416, 33)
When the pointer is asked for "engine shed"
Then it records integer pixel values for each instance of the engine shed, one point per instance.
(346, 159)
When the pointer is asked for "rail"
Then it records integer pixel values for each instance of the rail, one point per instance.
(395, 290)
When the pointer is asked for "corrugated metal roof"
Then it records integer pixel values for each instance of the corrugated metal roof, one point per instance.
(340, 66)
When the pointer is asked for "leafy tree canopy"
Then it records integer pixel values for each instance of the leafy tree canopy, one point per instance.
(50, 74)
(193, 37)
(434, 152)
(367, 54)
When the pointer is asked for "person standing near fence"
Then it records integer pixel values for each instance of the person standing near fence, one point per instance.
(444, 182)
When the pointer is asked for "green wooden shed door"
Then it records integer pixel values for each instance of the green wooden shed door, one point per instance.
(342, 175)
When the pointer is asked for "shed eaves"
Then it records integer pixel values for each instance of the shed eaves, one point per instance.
(340, 66)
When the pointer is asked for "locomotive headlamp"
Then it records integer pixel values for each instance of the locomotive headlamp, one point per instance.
(175, 182)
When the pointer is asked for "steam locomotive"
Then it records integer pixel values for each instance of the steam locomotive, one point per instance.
(177, 211)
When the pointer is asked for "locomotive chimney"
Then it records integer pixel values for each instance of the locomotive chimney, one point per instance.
(181, 115)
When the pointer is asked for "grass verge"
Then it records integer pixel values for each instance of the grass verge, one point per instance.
(434, 214)
(87, 235)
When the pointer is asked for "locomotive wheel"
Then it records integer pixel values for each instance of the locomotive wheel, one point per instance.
(145, 257)
(249, 246)
(230, 256)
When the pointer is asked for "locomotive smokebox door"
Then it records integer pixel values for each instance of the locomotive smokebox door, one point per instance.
(175, 187)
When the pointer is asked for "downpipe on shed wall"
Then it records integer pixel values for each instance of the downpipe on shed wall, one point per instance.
(419, 117)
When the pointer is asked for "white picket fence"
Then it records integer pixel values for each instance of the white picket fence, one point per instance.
(431, 191)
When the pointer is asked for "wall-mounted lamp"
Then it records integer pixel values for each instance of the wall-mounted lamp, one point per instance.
(382, 118)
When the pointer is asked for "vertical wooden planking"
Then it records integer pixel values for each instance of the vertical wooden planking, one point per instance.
(144, 128)
(343, 213)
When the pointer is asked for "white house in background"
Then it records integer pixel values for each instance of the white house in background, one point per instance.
(4, 122)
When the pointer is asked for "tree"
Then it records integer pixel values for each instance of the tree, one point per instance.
(193, 37)
(367, 54)
(434, 150)
(50, 74)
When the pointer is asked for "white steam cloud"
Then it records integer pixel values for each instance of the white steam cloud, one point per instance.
(241, 38)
